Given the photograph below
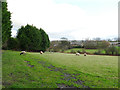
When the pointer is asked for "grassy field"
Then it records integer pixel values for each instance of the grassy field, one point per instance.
(54, 70)
(92, 51)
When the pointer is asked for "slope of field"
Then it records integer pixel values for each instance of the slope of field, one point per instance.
(54, 70)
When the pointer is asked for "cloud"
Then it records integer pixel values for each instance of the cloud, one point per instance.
(14, 32)
(63, 19)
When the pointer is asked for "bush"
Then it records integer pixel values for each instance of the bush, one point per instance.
(116, 52)
(111, 50)
(98, 52)
(79, 51)
(72, 51)
(12, 44)
(62, 51)
(78, 46)
(107, 51)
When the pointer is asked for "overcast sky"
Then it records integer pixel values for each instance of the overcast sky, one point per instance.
(73, 19)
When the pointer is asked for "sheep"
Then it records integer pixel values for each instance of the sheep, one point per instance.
(22, 52)
(78, 54)
(41, 52)
(85, 54)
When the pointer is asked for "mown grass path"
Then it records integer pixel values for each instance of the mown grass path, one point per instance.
(54, 70)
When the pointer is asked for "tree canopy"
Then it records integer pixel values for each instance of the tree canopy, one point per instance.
(6, 24)
(45, 43)
(32, 39)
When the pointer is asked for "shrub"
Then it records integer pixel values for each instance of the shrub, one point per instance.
(98, 52)
(79, 46)
(79, 51)
(116, 52)
(107, 51)
(62, 50)
(12, 43)
(111, 50)
(72, 51)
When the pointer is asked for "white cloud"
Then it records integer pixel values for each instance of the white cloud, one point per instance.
(67, 19)
(14, 32)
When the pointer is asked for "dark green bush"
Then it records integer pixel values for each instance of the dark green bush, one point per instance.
(79, 51)
(12, 44)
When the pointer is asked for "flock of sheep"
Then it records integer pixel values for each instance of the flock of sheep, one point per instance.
(77, 54)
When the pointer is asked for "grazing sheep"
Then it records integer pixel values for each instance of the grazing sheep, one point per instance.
(41, 52)
(22, 52)
(78, 54)
(85, 54)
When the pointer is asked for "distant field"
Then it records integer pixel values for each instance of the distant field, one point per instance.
(54, 70)
(92, 51)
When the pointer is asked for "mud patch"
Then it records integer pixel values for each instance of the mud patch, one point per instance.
(80, 82)
(64, 86)
(70, 77)
(53, 68)
(67, 77)
(42, 63)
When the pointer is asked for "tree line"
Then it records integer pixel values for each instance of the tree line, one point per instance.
(28, 38)
(102, 46)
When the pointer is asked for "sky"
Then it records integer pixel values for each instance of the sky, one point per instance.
(73, 19)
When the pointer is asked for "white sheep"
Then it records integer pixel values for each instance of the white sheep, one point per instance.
(41, 52)
(85, 54)
(78, 54)
(22, 52)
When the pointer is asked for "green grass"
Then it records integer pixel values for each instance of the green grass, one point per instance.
(87, 50)
(91, 51)
(93, 71)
